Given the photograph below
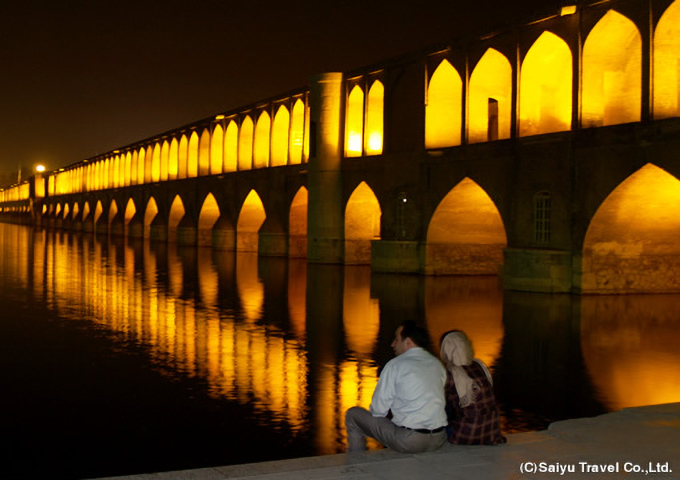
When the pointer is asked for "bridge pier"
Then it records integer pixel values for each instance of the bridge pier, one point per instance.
(537, 270)
(325, 216)
(397, 256)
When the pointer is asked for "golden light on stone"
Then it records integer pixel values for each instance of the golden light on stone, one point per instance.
(491, 81)
(362, 225)
(355, 122)
(280, 137)
(443, 111)
(612, 72)
(632, 242)
(250, 220)
(667, 63)
(568, 10)
(545, 87)
(465, 226)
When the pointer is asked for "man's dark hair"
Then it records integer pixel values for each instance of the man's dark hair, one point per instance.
(416, 333)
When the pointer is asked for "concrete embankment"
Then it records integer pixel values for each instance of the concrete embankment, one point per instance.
(642, 442)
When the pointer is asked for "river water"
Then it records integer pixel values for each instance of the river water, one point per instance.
(123, 357)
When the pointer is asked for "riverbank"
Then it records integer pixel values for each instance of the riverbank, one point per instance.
(642, 442)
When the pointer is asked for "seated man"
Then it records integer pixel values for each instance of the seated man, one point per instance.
(411, 388)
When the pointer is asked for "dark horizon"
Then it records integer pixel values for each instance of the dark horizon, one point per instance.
(83, 79)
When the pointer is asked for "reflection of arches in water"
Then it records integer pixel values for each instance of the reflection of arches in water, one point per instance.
(540, 376)
(630, 348)
(471, 304)
(466, 235)
(249, 285)
(632, 242)
(207, 277)
(297, 296)
(362, 224)
(360, 312)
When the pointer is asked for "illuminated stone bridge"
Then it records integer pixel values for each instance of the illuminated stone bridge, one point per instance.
(547, 152)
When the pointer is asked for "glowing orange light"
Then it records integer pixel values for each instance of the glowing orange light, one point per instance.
(443, 114)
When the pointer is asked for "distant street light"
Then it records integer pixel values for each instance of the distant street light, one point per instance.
(40, 168)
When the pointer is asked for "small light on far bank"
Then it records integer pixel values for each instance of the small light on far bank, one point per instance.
(40, 168)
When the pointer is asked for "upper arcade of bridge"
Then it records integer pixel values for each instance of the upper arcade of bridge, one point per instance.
(600, 63)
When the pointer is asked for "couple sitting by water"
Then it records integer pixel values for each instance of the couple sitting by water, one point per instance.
(418, 403)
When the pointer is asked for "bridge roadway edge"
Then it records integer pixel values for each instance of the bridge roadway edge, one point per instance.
(647, 438)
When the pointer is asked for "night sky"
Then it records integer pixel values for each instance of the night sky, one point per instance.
(79, 78)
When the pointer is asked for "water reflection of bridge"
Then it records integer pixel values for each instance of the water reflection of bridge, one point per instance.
(549, 150)
(299, 345)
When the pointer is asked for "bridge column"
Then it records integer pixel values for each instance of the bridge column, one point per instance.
(187, 231)
(537, 270)
(223, 234)
(135, 227)
(325, 231)
(158, 230)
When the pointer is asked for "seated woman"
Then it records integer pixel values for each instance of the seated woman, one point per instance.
(470, 401)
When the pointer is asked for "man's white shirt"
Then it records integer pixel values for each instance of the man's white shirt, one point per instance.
(412, 386)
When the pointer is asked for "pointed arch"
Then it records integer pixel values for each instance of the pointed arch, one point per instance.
(86, 211)
(177, 212)
(156, 163)
(546, 87)
(173, 159)
(297, 224)
(280, 130)
(164, 161)
(107, 177)
(632, 242)
(490, 108)
(216, 150)
(362, 224)
(150, 213)
(192, 155)
(373, 142)
(141, 166)
(443, 112)
(183, 157)
(148, 168)
(134, 168)
(612, 72)
(297, 128)
(115, 171)
(250, 219)
(210, 212)
(245, 144)
(76, 211)
(128, 169)
(354, 123)
(231, 147)
(98, 210)
(204, 153)
(113, 211)
(667, 63)
(261, 144)
(466, 235)
(67, 210)
(130, 211)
